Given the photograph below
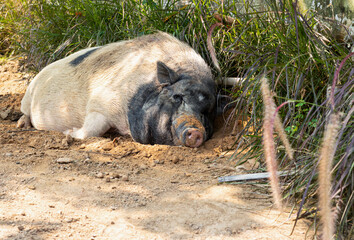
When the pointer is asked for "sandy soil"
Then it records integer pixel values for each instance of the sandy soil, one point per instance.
(53, 187)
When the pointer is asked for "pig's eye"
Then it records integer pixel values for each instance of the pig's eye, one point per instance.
(177, 98)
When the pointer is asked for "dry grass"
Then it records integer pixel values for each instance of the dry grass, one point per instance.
(268, 142)
(324, 169)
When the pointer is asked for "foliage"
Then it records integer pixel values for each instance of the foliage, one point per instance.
(297, 52)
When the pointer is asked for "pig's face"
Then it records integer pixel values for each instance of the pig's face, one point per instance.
(176, 110)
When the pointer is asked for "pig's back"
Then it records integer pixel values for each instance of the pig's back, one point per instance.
(56, 99)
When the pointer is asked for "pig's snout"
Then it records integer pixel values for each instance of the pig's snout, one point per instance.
(189, 131)
(193, 138)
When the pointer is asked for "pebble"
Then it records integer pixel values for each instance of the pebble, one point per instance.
(70, 220)
(125, 178)
(31, 187)
(99, 175)
(241, 168)
(207, 160)
(108, 179)
(175, 159)
(116, 175)
(21, 228)
(159, 161)
(4, 114)
(9, 154)
(64, 160)
(107, 146)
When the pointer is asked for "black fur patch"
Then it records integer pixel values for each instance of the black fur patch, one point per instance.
(147, 106)
(143, 121)
(81, 58)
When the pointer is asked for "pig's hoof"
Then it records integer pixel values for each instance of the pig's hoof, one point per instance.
(24, 122)
(77, 133)
(194, 138)
(68, 132)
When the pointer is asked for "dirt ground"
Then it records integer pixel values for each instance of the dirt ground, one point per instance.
(53, 187)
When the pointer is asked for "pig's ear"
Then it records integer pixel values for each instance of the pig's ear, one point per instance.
(166, 75)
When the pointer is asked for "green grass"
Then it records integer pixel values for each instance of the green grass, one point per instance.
(298, 53)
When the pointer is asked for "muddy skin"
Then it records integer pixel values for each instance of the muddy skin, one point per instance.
(189, 130)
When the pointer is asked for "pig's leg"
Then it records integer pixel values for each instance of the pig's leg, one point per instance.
(95, 124)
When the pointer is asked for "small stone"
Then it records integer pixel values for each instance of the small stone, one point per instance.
(112, 223)
(240, 168)
(115, 175)
(108, 179)
(4, 114)
(70, 220)
(64, 160)
(99, 175)
(31, 187)
(175, 159)
(51, 206)
(125, 178)
(9, 154)
(107, 146)
(82, 146)
(147, 155)
(21, 228)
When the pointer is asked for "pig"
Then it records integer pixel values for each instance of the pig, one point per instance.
(154, 88)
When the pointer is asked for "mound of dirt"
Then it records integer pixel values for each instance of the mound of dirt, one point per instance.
(55, 187)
